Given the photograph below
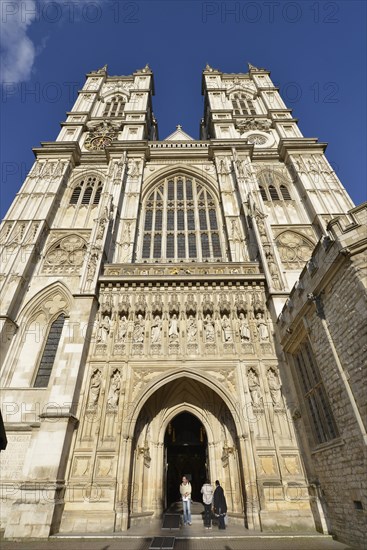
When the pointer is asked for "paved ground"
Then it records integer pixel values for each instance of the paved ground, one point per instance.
(206, 542)
(194, 537)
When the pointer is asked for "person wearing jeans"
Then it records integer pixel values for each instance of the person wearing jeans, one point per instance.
(185, 491)
(207, 491)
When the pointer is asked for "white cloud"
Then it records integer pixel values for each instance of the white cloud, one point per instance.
(18, 52)
(17, 49)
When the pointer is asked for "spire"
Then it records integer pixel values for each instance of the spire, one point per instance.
(101, 70)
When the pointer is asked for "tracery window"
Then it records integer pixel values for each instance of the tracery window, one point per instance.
(318, 408)
(88, 191)
(271, 187)
(242, 105)
(181, 222)
(49, 353)
(114, 106)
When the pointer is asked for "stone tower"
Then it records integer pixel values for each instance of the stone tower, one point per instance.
(141, 283)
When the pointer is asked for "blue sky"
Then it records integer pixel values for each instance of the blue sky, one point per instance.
(315, 50)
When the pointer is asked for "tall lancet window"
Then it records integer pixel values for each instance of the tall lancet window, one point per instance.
(242, 104)
(114, 106)
(49, 353)
(181, 222)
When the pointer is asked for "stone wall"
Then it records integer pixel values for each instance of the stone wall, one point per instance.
(329, 308)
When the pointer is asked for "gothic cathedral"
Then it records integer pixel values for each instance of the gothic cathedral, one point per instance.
(166, 310)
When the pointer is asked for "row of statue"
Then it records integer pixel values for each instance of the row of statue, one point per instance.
(138, 332)
(252, 377)
(273, 383)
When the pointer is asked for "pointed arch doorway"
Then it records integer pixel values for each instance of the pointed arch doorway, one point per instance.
(185, 453)
(157, 463)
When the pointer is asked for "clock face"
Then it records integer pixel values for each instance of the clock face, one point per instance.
(98, 142)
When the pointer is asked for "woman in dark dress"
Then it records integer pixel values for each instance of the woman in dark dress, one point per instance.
(220, 505)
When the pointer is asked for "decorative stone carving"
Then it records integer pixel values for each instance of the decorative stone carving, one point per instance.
(94, 389)
(92, 266)
(291, 464)
(173, 329)
(294, 249)
(66, 256)
(104, 329)
(81, 466)
(124, 305)
(209, 333)
(248, 124)
(254, 387)
(134, 168)
(138, 332)
(226, 329)
(223, 166)
(156, 330)
(267, 465)
(257, 139)
(227, 451)
(101, 134)
(273, 270)
(262, 328)
(114, 392)
(191, 330)
(145, 453)
(122, 329)
(104, 466)
(274, 387)
(243, 328)
(141, 305)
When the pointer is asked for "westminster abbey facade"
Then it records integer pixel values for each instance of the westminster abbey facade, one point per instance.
(182, 306)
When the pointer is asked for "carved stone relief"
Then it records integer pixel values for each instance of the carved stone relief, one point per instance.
(294, 249)
(94, 389)
(274, 387)
(254, 388)
(114, 391)
(66, 256)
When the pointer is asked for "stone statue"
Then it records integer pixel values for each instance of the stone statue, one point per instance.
(209, 329)
(103, 330)
(122, 329)
(244, 329)
(92, 265)
(226, 328)
(114, 393)
(95, 388)
(254, 387)
(138, 332)
(262, 328)
(191, 329)
(173, 328)
(274, 387)
(156, 330)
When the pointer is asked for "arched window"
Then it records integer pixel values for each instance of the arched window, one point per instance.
(49, 353)
(180, 222)
(242, 105)
(87, 195)
(270, 184)
(75, 196)
(263, 193)
(88, 191)
(97, 195)
(273, 193)
(285, 193)
(114, 106)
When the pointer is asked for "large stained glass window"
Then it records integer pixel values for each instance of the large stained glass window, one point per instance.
(181, 222)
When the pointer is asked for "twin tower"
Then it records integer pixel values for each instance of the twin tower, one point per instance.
(161, 316)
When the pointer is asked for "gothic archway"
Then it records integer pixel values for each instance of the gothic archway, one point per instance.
(183, 398)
